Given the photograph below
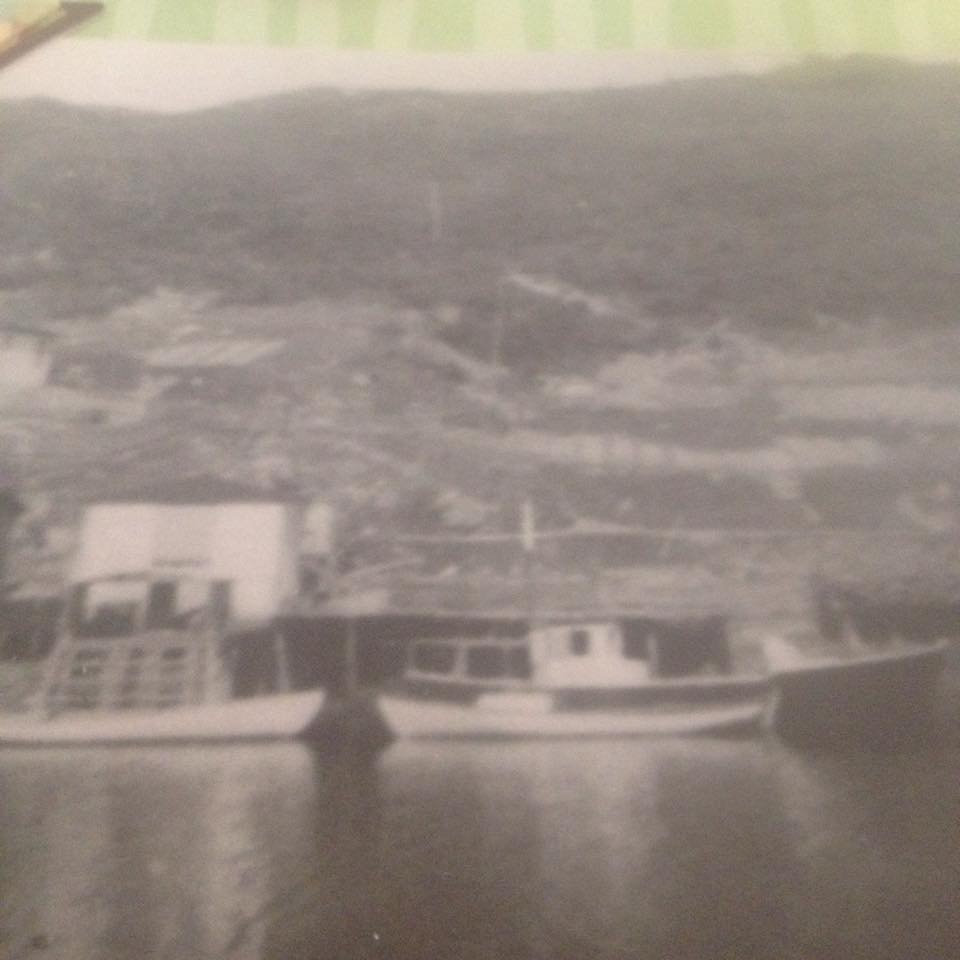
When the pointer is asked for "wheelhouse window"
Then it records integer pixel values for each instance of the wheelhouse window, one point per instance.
(518, 663)
(495, 661)
(636, 646)
(434, 658)
(162, 604)
(106, 609)
(221, 602)
(103, 609)
(175, 605)
(486, 662)
(579, 643)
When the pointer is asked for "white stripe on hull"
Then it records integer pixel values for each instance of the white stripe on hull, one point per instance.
(786, 661)
(409, 717)
(274, 717)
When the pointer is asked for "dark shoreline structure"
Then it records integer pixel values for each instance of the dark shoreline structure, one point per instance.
(886, 700)
(874, 674)
(380, 641)
(340, 643)
(839, 692)
(861, 678)
(867, 663)
(10, 509)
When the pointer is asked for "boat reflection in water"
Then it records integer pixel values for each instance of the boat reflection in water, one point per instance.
(566, 850)
(523, 850)
(172, 853)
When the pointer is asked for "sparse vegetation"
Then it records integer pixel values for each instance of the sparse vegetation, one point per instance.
(772, 199)
(740, 235)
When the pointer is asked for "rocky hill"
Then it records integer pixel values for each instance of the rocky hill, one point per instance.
(823, 190)
(708, 305)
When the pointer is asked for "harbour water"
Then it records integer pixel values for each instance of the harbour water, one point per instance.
(672, 850)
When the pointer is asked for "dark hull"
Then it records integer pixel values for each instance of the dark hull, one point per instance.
(880, 699)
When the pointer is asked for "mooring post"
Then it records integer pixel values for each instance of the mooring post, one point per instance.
(284, 684)
(351, 670)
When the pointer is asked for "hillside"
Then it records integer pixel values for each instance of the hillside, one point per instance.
(721, 305)
(823, 190)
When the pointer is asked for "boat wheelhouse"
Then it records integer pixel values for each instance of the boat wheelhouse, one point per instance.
(587, 677)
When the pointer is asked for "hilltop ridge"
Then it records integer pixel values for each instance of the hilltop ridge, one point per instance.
(815, 190)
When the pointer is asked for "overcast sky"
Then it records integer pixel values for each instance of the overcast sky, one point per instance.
(181, 77)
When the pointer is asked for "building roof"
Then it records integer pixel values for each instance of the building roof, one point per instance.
(23, 330)
(203, 354)
(198, 490)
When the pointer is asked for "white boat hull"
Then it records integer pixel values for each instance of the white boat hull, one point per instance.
(530, 718)
(274, 717)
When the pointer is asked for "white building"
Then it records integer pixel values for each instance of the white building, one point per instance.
(250, 542)
(25, 357)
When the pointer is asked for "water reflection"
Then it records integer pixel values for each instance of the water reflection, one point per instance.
(684, 849)
(878, 839)
(151, 853)
(568, 850)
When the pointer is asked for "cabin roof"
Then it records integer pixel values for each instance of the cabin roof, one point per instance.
(22, 329)
(545, 618)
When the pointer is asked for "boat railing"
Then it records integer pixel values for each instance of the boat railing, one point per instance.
(148, 669)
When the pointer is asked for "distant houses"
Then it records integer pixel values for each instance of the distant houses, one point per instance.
(93, 366)
(97, 368)
(215, 366)
(26, 356)
(49, 379)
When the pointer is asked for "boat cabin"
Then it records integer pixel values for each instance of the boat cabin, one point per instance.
(130, 642)
(172, 602)
(140, 642)
(579, 654)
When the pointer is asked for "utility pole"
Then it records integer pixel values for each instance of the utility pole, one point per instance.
(435, 206)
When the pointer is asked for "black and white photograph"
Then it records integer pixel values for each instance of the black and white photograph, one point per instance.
(476, 514)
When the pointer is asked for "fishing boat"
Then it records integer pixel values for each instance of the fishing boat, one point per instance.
(576, 678)
(168, 630)
(145, 660)
(575, 674)
(849, 689)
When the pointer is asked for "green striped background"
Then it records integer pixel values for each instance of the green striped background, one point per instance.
(921, 28)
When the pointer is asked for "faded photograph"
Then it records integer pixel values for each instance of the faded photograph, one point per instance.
(479, 523)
